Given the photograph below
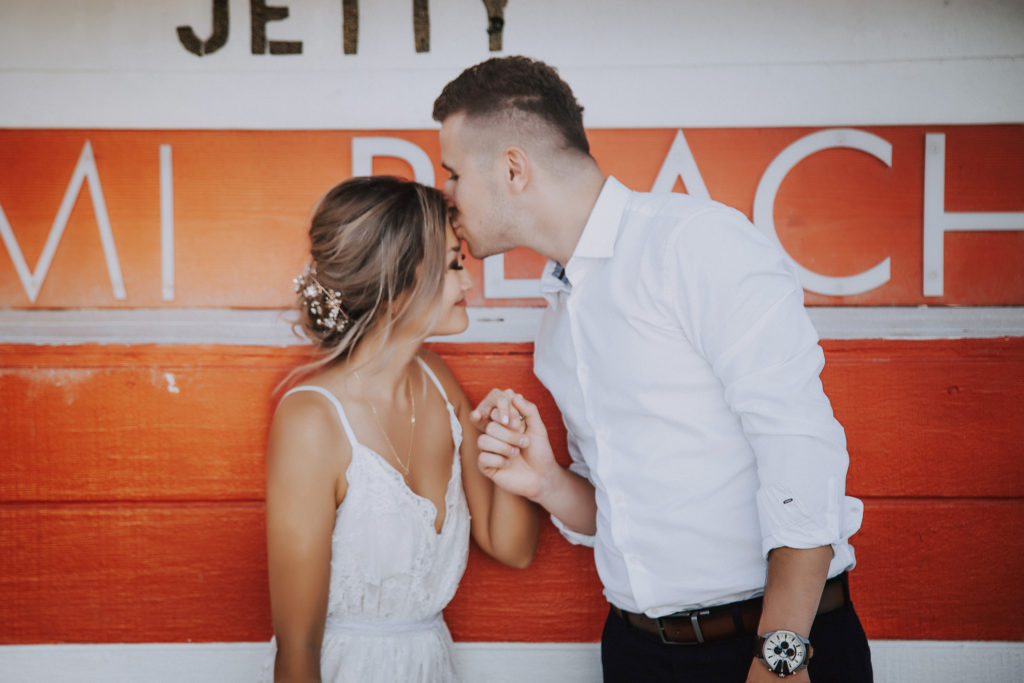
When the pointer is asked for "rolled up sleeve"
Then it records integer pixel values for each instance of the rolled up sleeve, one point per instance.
(755, 332)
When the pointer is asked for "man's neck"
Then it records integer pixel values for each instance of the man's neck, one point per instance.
(568, 205)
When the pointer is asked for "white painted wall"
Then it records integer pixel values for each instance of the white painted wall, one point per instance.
(492, 324)
(894, 661)
(657, 63)
(111, 64)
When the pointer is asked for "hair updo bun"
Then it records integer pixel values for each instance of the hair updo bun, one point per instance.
(377, 248)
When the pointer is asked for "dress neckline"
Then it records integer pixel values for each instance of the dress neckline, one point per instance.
(422, 503)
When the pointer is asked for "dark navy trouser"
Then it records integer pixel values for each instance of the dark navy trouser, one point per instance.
(841, 654)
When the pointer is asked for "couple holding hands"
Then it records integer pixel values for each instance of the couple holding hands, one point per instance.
(708, 472)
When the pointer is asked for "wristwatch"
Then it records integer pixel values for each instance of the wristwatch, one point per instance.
(783, 652)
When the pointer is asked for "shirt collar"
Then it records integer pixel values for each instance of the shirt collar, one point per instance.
(597, 241)
(553, 280)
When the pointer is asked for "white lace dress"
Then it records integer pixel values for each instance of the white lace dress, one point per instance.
(391, 572)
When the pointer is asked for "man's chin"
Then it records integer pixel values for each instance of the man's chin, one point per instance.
(477, 251)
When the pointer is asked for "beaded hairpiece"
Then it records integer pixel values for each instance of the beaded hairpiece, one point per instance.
(324, 304)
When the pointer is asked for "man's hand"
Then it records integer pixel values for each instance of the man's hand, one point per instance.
(516, 455)
(514, 449)
(759, 673)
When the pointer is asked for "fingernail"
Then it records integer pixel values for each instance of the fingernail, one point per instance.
(504, 419)
(524, 442)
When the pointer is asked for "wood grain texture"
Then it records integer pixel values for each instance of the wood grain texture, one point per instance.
(940, 569)
(184, 423)
(133, 573)
(940, 418)
(131, 494)
(193, 572)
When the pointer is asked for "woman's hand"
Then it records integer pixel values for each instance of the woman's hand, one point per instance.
(514, 449)
(497, 407)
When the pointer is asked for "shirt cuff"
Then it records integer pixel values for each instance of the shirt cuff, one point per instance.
(574, 537)
(787, 522)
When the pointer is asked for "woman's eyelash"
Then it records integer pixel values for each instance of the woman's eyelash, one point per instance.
(457, 264)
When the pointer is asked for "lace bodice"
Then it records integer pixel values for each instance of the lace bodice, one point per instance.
(391, 572)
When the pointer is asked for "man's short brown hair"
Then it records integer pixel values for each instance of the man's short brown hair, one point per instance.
(515, 83)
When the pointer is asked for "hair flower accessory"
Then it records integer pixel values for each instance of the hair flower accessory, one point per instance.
(323, 305)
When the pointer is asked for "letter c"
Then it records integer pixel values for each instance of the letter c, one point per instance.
(767, 189)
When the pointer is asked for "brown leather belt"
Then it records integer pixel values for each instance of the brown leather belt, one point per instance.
(724, 621)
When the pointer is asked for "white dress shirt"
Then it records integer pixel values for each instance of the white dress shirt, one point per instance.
(687, 373)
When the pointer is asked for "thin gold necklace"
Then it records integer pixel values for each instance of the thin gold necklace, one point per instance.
(376, 418)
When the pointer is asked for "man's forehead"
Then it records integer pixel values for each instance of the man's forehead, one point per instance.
(449, 138)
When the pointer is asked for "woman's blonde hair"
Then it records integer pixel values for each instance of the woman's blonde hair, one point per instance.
(377, 247)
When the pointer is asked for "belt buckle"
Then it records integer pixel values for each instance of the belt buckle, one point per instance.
(694, 622)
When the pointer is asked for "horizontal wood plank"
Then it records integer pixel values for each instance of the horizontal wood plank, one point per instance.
(194, 572)
(189, 423)
(133, 573)
(940, 570)
(920, 417)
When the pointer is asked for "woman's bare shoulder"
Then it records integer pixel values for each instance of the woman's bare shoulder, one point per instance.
(306, 434)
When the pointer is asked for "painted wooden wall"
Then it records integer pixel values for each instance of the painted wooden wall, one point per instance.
(133, 494)
(152, 209)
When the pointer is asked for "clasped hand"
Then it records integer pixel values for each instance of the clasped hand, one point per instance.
(514, 449)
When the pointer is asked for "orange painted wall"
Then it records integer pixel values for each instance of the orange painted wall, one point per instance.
(131, 478)
(241, 200)
(131, 494)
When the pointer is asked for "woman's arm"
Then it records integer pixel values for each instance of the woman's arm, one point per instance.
(303, 479)
(504, 525)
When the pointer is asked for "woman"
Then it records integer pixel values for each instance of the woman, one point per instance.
(373, 485)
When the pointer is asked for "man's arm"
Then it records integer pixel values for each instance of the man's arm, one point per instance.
(763, 348)
(523, 463)
(796, 579)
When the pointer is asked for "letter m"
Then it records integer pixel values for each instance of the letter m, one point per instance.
(32, 281)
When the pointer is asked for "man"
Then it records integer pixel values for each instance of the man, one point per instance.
(708, 468)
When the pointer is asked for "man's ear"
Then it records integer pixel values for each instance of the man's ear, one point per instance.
(517, 168)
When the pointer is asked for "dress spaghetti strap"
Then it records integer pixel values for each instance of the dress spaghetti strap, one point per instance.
(433, 378)
(349, 432)
(337, 406)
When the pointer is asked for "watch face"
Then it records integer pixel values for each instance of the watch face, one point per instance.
(783, 652)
